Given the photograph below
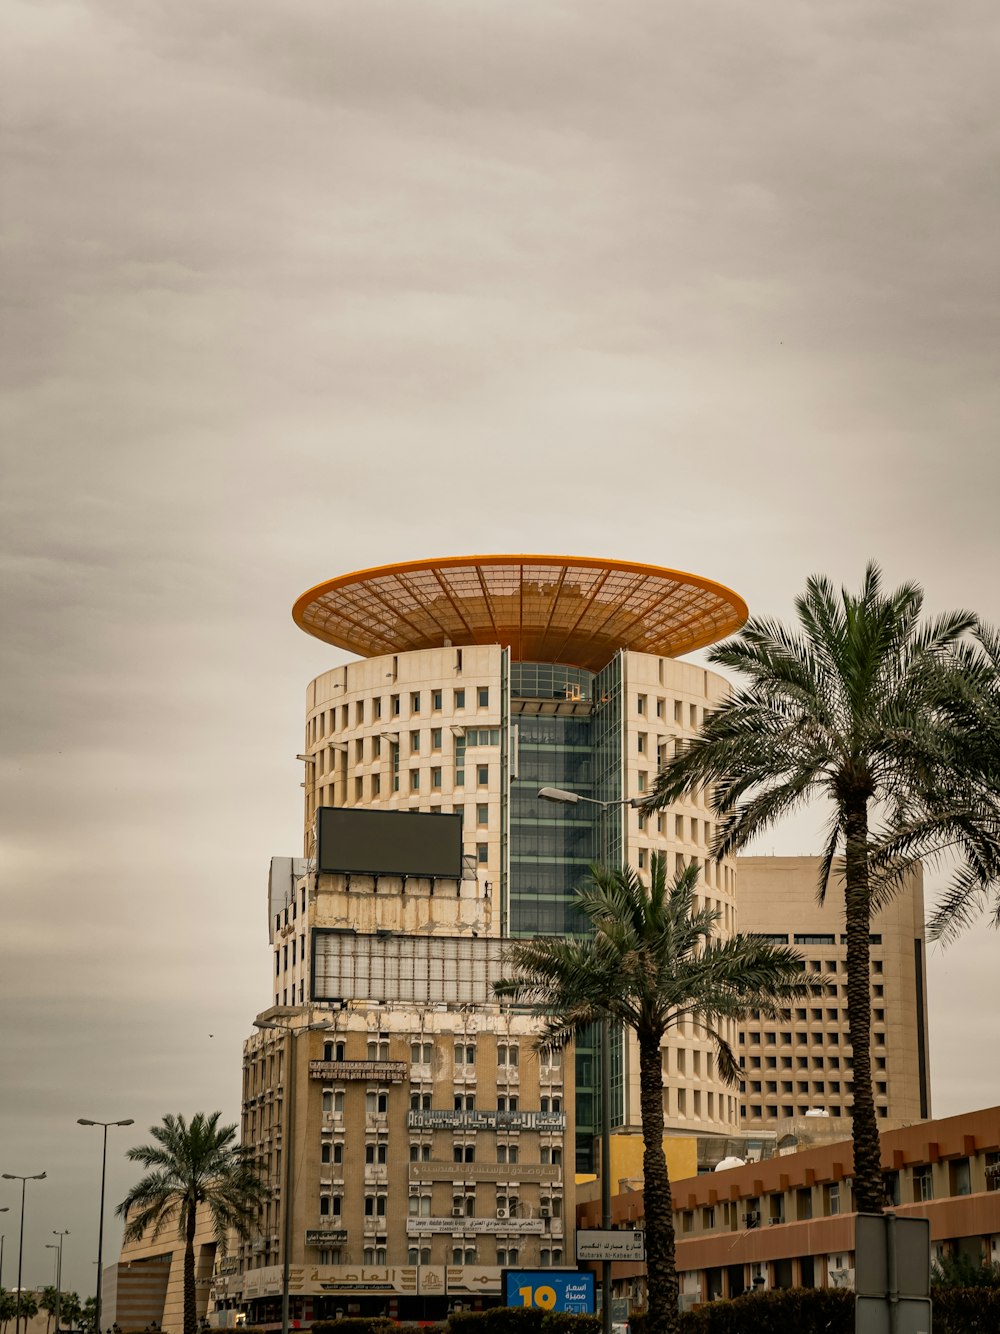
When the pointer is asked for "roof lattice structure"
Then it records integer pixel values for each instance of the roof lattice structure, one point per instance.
(569, 609)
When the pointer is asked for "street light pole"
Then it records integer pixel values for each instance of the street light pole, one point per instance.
(291, 1035)
(4, 1210)
(60, 1235)
(13, 1176)
(564, 797)
(85, 1121)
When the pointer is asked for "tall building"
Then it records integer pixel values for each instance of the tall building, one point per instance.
(801, 1062)
(481, 680)
(430, 1146)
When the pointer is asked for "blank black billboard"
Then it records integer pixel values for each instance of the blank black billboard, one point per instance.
(389, 843)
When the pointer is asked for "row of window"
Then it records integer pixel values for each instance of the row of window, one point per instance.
(338, 717)
(692, 716)
(821, 1062)
(506, 1256)
(377, 1102)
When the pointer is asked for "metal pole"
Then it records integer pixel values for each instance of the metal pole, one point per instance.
(100, 1238)
(2, 1235)
(14, 1176)
(892, 1272)
(86, 1121)
(20, 1256)
(60, 1235)
(286, 1203)
(606, 1168)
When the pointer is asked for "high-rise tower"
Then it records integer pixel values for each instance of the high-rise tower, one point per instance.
(481, 679)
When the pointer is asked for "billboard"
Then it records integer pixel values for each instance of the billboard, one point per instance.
(425, 970)
(549, 1289)
(401, 843)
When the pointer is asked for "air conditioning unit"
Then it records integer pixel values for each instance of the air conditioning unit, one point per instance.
(544, 1213)
(501, 1213)
(414, 1190)
(457, 1213)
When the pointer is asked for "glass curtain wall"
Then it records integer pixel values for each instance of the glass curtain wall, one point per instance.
(568, 725)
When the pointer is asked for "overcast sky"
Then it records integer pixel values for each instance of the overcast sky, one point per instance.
(293, 289)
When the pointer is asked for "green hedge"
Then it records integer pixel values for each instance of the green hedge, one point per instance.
(781, 1311)
(522, 1320)
(966, 1310)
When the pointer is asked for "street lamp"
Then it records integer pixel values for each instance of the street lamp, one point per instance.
(564, 797)
(567, 798)
(58, 1248)
(13, 1176)
(4, 1210)
(291, 1033)
(86, 1121)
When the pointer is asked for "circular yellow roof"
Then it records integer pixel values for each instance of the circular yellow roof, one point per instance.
(569, 609)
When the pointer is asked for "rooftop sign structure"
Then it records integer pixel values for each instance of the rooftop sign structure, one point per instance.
(567, 609)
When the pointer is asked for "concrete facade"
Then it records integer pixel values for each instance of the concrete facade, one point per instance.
(803, 1061)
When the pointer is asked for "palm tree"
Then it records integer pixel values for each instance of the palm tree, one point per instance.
(974, 708)
(864, 704)
(29, 1306)
(48, 1302)
(70, 1309)
(192, 1165)
(651, 962)
(8, 1306)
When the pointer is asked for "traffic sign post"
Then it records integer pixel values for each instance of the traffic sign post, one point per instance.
(892, 1274)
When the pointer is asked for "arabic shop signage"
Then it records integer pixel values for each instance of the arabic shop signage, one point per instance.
(486, 1120)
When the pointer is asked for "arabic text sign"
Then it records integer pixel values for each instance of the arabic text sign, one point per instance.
(608, 1244)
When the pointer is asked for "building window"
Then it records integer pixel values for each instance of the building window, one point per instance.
(483, 775)
(436, 779)
(923, 1183)
(414, 701)
(436, 734)
(376, 1102)
(459, 699)
(484, 697)
(482, 813)
(376, 1153)
(375, 1206)
(437, 700)
(640, 704)
(414, 780)
(507, 1055)
(394, 705)
(465, 1054)
(482, 853)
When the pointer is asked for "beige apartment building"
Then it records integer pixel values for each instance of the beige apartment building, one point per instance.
(801, 1062)
(484, 679)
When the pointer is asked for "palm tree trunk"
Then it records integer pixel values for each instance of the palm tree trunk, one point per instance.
(661, 1262)
(869, 1191)
(190, 1309)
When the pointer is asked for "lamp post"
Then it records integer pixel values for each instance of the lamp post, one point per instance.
(4, 1210)
(60, 1235)
(291, 1034)
(564, 797)
(13, 1176)
(86, 1121)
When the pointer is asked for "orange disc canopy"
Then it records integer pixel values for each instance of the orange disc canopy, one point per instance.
(569, 609)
